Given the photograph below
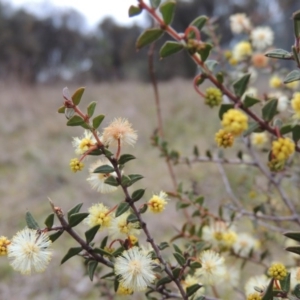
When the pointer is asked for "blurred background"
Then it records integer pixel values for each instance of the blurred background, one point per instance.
(42, 41)
(46, 45)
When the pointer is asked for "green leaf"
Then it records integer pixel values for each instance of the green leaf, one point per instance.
(125, 180)
(61, 110)
(193, 289)
(170, 48)
(198, 23)
(49, 221)
(91, 108)
(285, 284)
(76, 98)
(122, 208)
(134, 178)
(240, 85)
(111, 274)
(177, 249)
(296, 133)
(268, 294)
(72, 252)
(92, 265)
(223, 109)
(77, 218)
(148, 36)
(75, 121)
(294, 235)
(250, 101)
(286, 129)
(279, 54)
(125, 158)
(293, 250)
(167, 10)
(296, 21)
(176, 272)
(292, 76)
(163, 281)
(253, 127)
(132, 218)
(270, 110)
(204, 52)
(138, 194)
(111, 180)
(102, 252)
(106, 169)
(104, 242)
(199, 200)
(211, 64)
(195, 265)
(180, 259)
(296, 291)
(118, 251)
(97, 121)
(74, 210)
(54, 236)
(31, 222)
(163, 246)
(90, 234)
(134, 11)
(143, 209)
(155, 3)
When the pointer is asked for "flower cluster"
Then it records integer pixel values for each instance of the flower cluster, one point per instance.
(277, 271)
(234, 122)
(282, 149)
(224, 139)
(213, 97)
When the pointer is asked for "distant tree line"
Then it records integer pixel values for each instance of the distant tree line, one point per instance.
(54, 48)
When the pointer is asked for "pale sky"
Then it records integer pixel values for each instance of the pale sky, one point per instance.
(93, 10)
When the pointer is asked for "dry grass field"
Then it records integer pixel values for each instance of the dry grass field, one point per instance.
(34, 158)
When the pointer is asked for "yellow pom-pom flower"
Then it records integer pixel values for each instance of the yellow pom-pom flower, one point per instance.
(282, 149)
(4, 242)
(76, 165)
(99, 214)
(275, 82)
(295, 103)
(277, 271)
(254, 296)
(224, 139)
(213, 97)
(234, 122)
(122, 290)
(158, 202)
(242, 50)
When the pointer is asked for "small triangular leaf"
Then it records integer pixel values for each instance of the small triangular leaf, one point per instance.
(92, 265)
(279, 54)
(199, 23)
(74, 210)
(75, 121)
(292, 76)
(122, 208)
(97, 121)
(148, 37)
(240, 85)
(250, 101)
(76, 98)
(91, 108)
(31, 222)
(54, 236)
(49, 221)
(167, 10)
(90, 234)
(72, 252)
(138, 194)
(270, 110)
(134, 11)
(106, 169)
(170, 48)
(125, 158)
(77, 218)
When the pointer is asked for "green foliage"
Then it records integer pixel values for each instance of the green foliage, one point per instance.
(148, 36)
(49, 221)
(122, 208)
(170, 48)
(105, 169)
(76, 97)
(72, 252)
(77, 218)
(31, 222)
(91, 109)
(167, 10)
(240, 85)
(97, 121)
(92, 266)
(269, 111)
(74, 210)
(91, 233)
(134, 11)
(138, 194)
(279, 54)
